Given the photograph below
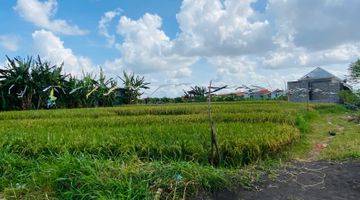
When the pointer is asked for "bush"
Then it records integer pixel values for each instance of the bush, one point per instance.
(350, 99)
(303, 119)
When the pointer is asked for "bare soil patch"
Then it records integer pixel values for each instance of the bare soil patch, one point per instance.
(304, 180)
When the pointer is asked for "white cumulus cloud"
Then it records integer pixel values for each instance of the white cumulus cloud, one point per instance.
(301, 57)
(286, 40)
(50, 47)
(221, 27)
(104, 24)
(319, 24)
(146, 48)
(41, 14)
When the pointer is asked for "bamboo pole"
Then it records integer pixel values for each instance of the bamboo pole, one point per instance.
(215, 154)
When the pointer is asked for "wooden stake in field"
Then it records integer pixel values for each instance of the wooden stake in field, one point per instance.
(215, 153)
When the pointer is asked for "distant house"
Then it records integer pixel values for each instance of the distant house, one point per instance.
(235, 93)
(256, 93)
(317, 86)
(259, 93)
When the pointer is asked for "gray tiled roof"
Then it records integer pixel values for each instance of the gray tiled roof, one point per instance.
(318, 73)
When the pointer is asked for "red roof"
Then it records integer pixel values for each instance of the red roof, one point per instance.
(264, 91)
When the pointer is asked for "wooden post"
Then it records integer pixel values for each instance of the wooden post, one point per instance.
(308, 98)
(215, 155)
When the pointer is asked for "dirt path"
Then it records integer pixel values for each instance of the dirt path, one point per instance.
(311, 180)
(319, 146)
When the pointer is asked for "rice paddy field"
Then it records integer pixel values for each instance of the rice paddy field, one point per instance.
(138, 152)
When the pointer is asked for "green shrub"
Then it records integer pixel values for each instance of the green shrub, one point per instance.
(352, 99)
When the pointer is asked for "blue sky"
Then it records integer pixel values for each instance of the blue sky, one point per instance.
(86, 14)
(262, 42)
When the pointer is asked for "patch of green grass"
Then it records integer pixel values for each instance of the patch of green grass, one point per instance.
(83, 177)
(300, 148)
(315, 127)
(346, 142)
(325, 108)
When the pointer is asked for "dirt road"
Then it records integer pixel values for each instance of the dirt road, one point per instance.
(309, 180)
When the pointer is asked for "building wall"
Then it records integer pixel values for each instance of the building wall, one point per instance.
(297, 91)
(329, 91)
(315, 90)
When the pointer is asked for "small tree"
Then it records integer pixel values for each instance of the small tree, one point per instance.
(354, 71)
(133, 86)
(353, 97)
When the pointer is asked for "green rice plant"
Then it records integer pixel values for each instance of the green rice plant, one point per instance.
(176, 109)
(178, 141)
(138, 152)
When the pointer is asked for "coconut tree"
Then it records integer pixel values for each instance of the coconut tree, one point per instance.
(196, 92)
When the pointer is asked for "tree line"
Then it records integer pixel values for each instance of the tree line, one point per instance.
(36, 84)
(28, 83)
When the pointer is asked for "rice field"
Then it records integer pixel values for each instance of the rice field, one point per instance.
(137, 152)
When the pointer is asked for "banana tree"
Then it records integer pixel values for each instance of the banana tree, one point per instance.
(17, 86)
(49, 83)
(105, 94)
(84, 89)
(91, 91)
(74, 96)
(133, 86)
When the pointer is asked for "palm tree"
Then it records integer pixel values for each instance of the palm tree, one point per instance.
(195, 92)
(133, 86)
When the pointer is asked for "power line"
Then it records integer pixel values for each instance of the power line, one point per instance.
(167, 85)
